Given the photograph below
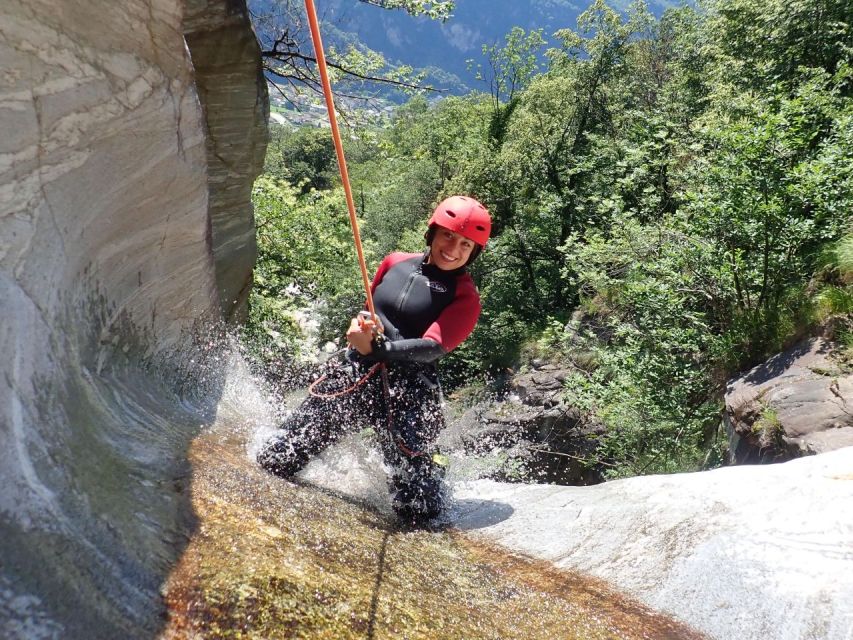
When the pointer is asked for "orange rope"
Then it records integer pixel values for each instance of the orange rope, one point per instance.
(339, 148)
(342, 165)
(342, 392)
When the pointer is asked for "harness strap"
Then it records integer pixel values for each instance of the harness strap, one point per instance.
(401, 445)
(343, 392)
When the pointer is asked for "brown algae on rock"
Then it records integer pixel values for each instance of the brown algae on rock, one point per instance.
(273, 559)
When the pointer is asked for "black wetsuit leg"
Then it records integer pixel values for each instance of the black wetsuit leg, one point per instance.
(320, 421)
(416, 418)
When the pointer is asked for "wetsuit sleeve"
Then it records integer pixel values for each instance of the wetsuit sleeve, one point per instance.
(409, 350)
(458, 319)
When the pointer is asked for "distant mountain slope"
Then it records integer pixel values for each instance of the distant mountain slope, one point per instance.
(444, 48)
(424, 43)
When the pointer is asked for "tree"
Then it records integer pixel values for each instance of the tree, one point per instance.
(771, 42)
(305, 259)
(288, 58)
(305, 158)
(549, 142)
(512, 66)
(414, 161)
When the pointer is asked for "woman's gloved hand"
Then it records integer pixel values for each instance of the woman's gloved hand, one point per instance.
(362, 330)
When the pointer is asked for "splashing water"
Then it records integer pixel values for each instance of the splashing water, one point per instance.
(323, 556)
(154, 500)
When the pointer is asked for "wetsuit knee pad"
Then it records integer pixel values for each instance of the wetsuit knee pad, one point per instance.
(282, 456)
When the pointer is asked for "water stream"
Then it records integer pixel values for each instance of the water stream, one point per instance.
(138, 512)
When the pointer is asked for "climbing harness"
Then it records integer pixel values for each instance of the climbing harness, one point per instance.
(336, 394)
(436, 458)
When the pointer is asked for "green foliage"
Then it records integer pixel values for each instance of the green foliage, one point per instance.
(834, 295)
(305, 259)
(844, 257)
(835, 300)
(768, 429)
(761, 44)
(305, 158)
(651, 382)
(435, 9)
(512, 66)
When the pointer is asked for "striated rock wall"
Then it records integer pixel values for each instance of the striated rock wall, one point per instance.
(102, 166)
(233, 93)
(107, 282)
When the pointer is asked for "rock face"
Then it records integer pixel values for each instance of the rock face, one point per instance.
(744, 553)
(535, 425)
(799, 402)
(102, 172)
(233, 92)
(107, 282)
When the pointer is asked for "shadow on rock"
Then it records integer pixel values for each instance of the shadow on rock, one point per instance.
(469, 514)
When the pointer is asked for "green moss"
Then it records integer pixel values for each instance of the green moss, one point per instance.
(768, 428)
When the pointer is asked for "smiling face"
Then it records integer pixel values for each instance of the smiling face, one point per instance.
(449, 250)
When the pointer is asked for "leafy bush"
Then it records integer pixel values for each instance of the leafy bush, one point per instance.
(306, 259)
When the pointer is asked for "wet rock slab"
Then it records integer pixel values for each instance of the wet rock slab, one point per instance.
(273, 559)
(749, 552)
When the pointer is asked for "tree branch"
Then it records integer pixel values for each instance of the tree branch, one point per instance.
(284, 56)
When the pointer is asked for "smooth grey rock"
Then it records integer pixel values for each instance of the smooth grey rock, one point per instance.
(811, 397)
(744, 553)
(103, 180)
(107, 295)
(551, 437)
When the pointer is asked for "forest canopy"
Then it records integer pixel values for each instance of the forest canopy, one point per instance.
(671, 199)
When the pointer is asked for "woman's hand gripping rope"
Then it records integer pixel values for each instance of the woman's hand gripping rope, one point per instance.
(360, 336)
(363, 330)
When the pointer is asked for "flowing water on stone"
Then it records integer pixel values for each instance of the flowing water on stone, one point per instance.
(323, 557)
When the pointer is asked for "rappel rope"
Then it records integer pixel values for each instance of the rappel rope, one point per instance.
(312, 390)
(339, 149)
(342, 166)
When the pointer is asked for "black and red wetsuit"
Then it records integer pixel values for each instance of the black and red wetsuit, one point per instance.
(426, 312)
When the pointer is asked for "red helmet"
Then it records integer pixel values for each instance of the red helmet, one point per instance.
(465, 216)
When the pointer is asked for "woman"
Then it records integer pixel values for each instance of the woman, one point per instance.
(426, 305)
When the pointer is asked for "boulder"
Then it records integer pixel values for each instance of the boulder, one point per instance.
(799, 402)
(535, 425)
(543, 386)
